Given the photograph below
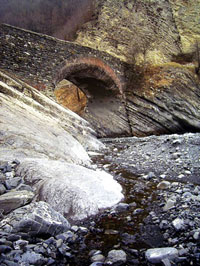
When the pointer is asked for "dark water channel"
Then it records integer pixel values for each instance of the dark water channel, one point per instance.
(123, 228)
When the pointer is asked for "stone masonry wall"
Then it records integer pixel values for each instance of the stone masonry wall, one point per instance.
(37, 58)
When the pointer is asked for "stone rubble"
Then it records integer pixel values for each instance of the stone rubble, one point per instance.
(165, 220)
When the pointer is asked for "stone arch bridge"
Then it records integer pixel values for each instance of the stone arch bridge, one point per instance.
(43, 61)
(164, 101)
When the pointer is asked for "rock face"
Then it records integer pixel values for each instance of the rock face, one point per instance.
(130, 30)
(151, 31)
(46, 138)
(70, 96)
(186, 15)
(51, 136)
(164, 100)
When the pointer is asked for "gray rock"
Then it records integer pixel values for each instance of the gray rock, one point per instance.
(166, 262)
(24, 187)
(169, 204)
(67, 236)
(59, 243)
(164, 224)
(116, 256)
(94, 252)
(9, 174)
(178, 224)
(64, 250)
(2, 178)
(5, 249)
(39, 133)
(13, 182)
(15, 199)
(75, 228)
(98, 263)
(156, 255)
(111, 232)
(98, 258)
(187, 194)
(122, 207)
(10, 263)
(36, 218)
(163, 185)
(196, 235)
(83, 230)
(151, 175)
(32, 258)
(137, 211)
(2, 189)
(20, 244)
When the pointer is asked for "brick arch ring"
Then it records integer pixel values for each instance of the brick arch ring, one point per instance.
(90, 67)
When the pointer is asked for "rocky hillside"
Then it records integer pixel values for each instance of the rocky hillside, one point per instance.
(143, 31)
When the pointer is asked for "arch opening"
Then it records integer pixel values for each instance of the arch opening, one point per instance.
(70, 96)
(98, 90)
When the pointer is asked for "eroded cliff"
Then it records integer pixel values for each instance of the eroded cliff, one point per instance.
(152, 31)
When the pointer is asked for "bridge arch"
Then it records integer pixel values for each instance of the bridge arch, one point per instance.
(82, 71)
(104, 89)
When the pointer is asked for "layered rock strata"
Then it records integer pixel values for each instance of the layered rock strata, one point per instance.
(48, 139)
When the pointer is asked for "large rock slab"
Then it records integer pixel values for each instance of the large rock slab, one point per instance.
(43, 129)
(48, 140)
(36, 219)
(74, 191)
(15, 199)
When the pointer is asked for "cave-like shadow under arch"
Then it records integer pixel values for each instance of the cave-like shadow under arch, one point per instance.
(103, 88)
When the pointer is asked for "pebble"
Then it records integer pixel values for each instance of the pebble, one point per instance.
(122, 207)
(115, 256)
(164, 224)
(98, 258)
(137, 211)
(111, 232)
(151, 175)
(178, 224)
(169, 205)
(98, 263)
(196, 235)
(5, 249)
(163, 185)
(13, 182)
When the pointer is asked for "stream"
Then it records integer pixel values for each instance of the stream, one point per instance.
(122, 227)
